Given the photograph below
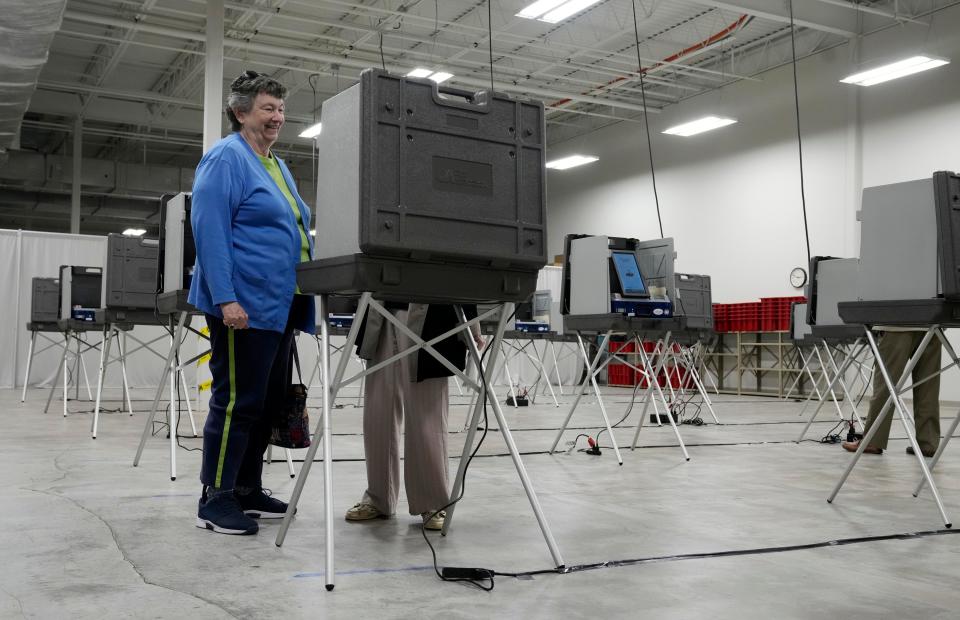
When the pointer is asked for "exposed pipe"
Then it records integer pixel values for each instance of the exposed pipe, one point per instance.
(873, 11)
(697, 47)
(260, 48)
(76, 171)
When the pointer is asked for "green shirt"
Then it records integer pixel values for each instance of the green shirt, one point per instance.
(273, 168)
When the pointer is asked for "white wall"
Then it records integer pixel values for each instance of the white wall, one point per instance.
(731, 197)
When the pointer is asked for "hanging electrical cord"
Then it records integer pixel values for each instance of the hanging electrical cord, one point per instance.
(478, 577)
(490, 41)
(646, 117)
(796, 101)
(313, 143)
(383, 63)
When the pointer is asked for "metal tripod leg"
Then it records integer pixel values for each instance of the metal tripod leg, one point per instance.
(898, 405)
(656, 384)
(953, 425)
(170, 362)
(293, 473)
(121, 347)
(843, 384)
(102, 371)
(186, 399)
(826, 372)
(652, 377)
(322, 433)
(814, 382)
(796, 381)
(491, 397)
(591, 365)
(61, 367)
(556, 367)
(843, 369)
(542, 375)
(65, 383)
(695, 375)
(82, 368)
(174, 412)
(506, 369)
(26, 375)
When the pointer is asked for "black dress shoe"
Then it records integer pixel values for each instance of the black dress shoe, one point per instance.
(926, 453)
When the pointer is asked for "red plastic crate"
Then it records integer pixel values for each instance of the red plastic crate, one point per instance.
(614, 346)
(745, 317)
(721, 321)
(775, 312)
(620, 374)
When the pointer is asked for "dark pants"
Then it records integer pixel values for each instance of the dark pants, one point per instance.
(896, 348)
(251, 372)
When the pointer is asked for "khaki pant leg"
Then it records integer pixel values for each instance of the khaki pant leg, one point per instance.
(382, 418)
(425, 406)
(926, 397)
(425, 468)
(895, 350)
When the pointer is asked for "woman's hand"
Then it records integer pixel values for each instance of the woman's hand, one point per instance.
(234, 316)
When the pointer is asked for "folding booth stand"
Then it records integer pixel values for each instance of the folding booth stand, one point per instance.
(41, 329)
(432, 284)
(636, 329)
(934, 315)
(112, 321)
(74, 332)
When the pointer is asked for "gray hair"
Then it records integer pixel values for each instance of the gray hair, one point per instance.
(245, 89)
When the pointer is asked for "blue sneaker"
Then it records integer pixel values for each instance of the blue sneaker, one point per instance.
(260, 504)
(223, 515)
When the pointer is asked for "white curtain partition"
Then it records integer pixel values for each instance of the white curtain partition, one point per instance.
(27, 254)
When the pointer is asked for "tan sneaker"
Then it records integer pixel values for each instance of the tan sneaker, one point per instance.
(434, 522)
(363, 511)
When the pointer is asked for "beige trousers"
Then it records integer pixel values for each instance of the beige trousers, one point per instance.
(389, 396)
(896, 348)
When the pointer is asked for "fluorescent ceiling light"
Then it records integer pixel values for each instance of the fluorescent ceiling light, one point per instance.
(895, 70)
(134, 232)
(700, 125)
(312, 131)
(538, 8)
(441, 76)
(571, 162)
(566, 10)
(436, 76)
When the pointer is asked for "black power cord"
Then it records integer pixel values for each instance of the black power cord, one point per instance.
(473, 576)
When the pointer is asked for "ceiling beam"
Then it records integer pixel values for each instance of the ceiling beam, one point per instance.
(358, 63)
(807, 13)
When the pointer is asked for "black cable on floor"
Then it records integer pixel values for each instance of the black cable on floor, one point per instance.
(840, 542)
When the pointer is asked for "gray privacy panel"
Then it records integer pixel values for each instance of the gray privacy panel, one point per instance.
(411, 169)
(898, 242)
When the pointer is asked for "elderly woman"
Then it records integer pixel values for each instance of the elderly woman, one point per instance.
(250, 227)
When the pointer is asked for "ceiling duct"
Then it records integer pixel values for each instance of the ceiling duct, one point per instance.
(27, 28)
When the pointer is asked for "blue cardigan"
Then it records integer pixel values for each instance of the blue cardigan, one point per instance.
(248, 241)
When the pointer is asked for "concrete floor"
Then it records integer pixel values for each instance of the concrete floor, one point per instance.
(83, 534)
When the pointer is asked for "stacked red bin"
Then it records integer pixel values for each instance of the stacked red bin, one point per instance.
(721, 319)
(775, 312)
(617, 372)
(744, 317)
(770, 314)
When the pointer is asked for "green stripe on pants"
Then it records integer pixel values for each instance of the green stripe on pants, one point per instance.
(231, 357)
